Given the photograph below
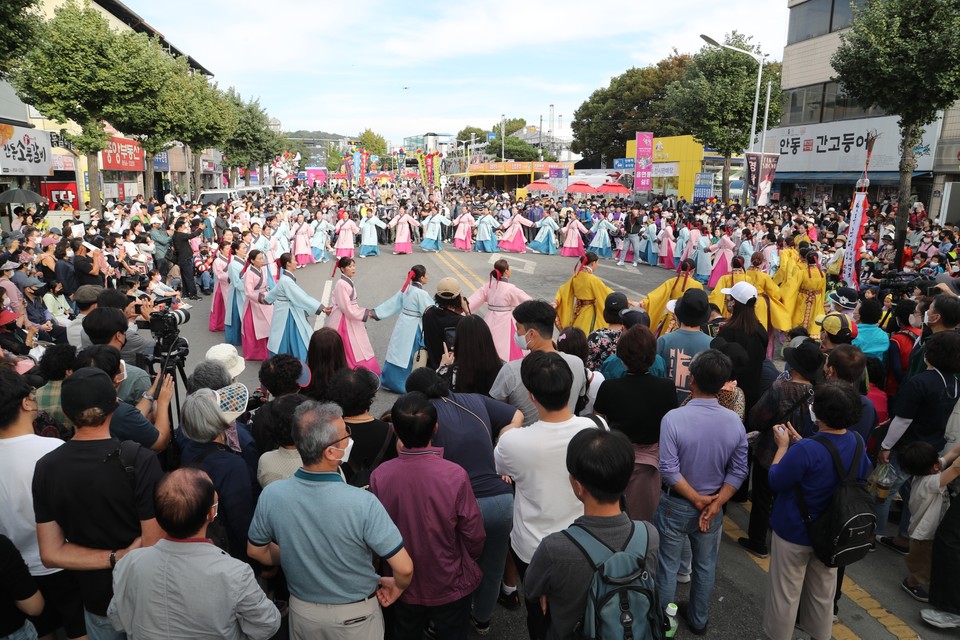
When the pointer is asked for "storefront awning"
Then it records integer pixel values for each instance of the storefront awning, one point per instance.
(885, 178)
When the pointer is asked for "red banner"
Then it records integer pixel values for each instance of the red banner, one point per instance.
(122, 154)
(57, 191)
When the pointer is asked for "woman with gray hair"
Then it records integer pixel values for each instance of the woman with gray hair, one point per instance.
(203, 442)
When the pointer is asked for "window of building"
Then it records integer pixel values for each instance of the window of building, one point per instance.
(802, 105)
(843, 13)
(839, 106)
(809, 20)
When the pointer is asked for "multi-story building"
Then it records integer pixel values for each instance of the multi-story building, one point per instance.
(821, 138)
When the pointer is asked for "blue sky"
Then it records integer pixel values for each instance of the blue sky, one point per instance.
(342, 66)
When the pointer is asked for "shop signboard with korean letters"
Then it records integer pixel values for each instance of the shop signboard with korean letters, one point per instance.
(24, 152)
(841, 146)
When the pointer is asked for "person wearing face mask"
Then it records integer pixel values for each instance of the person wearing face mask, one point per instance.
(943, 314)
(906, 324)
(334, 583)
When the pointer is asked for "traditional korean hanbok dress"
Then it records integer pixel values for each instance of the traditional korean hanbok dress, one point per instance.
(347, 231)
(770, 307)
(403, 224)
(572, 238)
(282, 234)
(724, 254)
(236, 300)
(321, 238)
(369, 242)
(257, 314)
(432, 226)
(221, 289)
(501, 298)
(809, 305)
(302, 251)
(692, 245)
(652, 247)
(601, 244)
(661, 320)
(513, 239)
(347, 318)
(683, 240)
(546, 240)
(667, 246)
(290, 330)
(580, 302)
(486, 240)
(703, 259)
(407, 337)
(463, 237)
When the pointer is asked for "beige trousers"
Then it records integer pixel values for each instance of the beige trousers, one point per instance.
(357, 621)
(800, 589)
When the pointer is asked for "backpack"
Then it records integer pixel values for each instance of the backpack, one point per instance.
(841, 534)
(622, 600)
(360, 476)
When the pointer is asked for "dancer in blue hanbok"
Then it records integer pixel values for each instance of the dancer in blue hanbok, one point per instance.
(683, 237)
(651, 254)
(432, 226)
(236, 298)
(322, 228)
(290, 329)
(486, 239)
(546, 240)
(369, 244)
(702, 256)
(407, 339)
(601, 244)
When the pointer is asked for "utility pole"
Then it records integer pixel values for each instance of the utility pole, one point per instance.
(540, 136)
(503, 135)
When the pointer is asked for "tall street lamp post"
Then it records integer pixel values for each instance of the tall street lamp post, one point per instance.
(756, 98)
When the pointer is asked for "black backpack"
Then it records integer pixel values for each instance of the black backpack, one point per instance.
(841, 534)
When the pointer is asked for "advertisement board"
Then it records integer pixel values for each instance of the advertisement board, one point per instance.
(24, 152)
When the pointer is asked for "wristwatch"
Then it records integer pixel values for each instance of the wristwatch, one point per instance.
(113, 559)
(146, 396)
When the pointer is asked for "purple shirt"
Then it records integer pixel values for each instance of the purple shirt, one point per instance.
(431, 502)
(705, 444)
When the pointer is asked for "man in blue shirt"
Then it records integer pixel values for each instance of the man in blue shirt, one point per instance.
(703, 461)
(328, 532)
(678, 348)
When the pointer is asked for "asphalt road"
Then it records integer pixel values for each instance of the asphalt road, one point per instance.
(874, 607)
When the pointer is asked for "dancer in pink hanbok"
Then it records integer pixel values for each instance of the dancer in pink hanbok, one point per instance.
(221, 287)
(257, 314)
(302, 233)
(346, 231)
(724, 254)
(402, 241)
(347, 318)
(501, 298)
(512, 239)
(463, 237)
(572, 240)
(667, 245)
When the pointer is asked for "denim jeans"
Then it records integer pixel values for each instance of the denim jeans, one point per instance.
(206, 280)
(631, 241)
(497, 513)
(882, 510)
(99, 628)
(678, 520)
(26, 632)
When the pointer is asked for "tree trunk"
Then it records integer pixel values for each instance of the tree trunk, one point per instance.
(725, 184)
(246, 176)
(148, 187)
(909, 134)
(196, 175)
(93, 175)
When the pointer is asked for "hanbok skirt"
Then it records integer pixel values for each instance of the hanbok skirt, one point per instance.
(319, 254)
(547, 246)
(667, 260)
(517, 245)
(575, 251)
(487, 246)
(217, 311)
(720, 269)
(651, 254)
(394, 377)
(345, 252)
(464, 244)
(603, 252)
(253, 349)
(291, 343)
(402, 247)
(305, 258)
(431, 245)
(352, 361)
(233, 331)
(369, 250)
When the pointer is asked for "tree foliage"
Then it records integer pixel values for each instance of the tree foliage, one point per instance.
(479, 135)
(632, 102)
(509, 125)
(516, 149)
(375, 143)
(334, 157)
(19, 26)
(714, 99)
(904, 57)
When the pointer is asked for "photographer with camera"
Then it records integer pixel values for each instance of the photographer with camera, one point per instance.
(108, 325)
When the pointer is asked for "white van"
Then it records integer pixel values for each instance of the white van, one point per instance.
(213, 196)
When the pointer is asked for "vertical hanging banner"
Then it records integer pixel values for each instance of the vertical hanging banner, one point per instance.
(364, 158)
(643, 166)
(854, 239)
(428, 164)
(761, 168)
(348, 167)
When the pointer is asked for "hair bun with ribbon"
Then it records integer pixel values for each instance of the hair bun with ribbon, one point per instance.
(410, 276)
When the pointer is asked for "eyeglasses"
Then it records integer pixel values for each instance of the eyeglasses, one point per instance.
(330, 444)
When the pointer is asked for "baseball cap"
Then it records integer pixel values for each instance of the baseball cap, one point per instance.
(88, 388)
(616, 302)
(33, 282)
(46, 242)
(692, 308)
(630, 317)
(7, 316)
(448, 288)
(55, 231)
(837, 324)
(10, 265)
(226, 354)
(87, 294)
(155, 220)
(743, 292)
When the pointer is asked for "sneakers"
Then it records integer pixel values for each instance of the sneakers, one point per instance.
(940, 619)
(917, 593)
(889, 543)
(754, 548)
(482, 628)
(682, 611)
(509, 601)
(683, 578)
(619, 264)
(634, 264)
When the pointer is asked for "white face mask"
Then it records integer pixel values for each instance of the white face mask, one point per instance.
(521, 340)
(915, 321)
(926, 317)
(123, 371)
(346, 451)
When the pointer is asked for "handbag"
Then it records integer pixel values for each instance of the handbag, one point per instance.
(419, 359)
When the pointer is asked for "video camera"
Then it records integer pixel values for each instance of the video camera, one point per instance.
(901, 284)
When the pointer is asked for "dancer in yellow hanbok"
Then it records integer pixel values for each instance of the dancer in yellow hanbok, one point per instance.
(737, 274)
(811, 294)
(580, 299)
(771, 308)
(656, 302)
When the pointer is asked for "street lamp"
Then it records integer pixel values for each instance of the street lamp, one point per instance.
(756, 99)
(503, 128)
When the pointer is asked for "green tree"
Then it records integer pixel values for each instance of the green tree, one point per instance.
(210, 117)
(150, 106)
(373, 142)
(516, 149)
(334, 157)
(510, 125)
(714, 99)
(903, 56)
(20, 27)
(632, 102)
(247, 143)
(72, 71)
(478, 134)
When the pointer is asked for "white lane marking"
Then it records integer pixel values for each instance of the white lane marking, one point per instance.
(525, 266)
(325, 300)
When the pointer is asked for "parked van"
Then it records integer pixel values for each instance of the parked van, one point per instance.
(213, 196)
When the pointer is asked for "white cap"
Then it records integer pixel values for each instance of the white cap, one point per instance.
(743, 292)
(672, 610)
(155, 220)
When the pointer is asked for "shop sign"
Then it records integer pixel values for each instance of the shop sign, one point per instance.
(57, 191)
(24, 152)
(122, 154)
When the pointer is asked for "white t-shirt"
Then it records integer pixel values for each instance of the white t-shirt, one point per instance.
(18, 457)
(535, 457)
(594, 379)
(928, 504)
